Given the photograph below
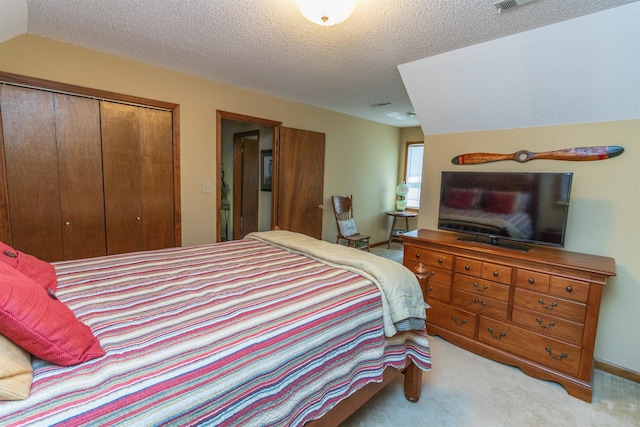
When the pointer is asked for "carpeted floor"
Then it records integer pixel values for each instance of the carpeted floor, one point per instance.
(464, 389)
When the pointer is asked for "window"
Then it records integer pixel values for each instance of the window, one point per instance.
(413, 173)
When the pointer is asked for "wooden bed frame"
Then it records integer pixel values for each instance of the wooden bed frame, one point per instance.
(342, 411)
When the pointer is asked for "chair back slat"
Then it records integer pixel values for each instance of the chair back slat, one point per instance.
(343, 209)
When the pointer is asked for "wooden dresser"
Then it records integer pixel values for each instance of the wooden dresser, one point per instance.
(537, 310)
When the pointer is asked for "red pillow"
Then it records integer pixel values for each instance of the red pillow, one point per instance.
(32, 267)
(37, 321)
(463, 199)
(502, 202)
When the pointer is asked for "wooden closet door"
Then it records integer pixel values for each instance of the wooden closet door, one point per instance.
(28, 125)
(80, 171)
(156, 151)
(122, 178)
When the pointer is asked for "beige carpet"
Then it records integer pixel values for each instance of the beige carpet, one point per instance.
(464, 389)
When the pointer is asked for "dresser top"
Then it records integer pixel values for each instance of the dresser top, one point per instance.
(555, 257)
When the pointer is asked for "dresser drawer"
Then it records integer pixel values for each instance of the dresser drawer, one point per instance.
(454, 319)
(548, 325)
(533, 280)
(570, 289)
(468, 266)
(432, 258)
(549, 304)
(480, 304)
(482, 287)
(436, 290)
(562, 357)
(496, 272)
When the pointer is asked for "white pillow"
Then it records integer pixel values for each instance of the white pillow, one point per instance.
(347, 227)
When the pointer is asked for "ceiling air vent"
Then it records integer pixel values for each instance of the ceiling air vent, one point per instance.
(509, 4)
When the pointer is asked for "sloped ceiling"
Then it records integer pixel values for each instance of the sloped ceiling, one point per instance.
(13, 18)
(579, 71)
(267, 46)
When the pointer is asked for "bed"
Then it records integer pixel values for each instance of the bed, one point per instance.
(274, 329)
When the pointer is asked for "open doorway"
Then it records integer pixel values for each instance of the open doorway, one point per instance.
(242, 208)
(294, 201)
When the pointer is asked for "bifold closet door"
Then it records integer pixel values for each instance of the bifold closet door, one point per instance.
(54, 173)
(80, 173)
(137, 149)
(29, 135)
(122, 178)
(156, 151)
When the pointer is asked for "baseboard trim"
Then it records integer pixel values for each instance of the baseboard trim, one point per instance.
(619, 371)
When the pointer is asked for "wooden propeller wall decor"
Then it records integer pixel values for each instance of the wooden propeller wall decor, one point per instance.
(574, 154)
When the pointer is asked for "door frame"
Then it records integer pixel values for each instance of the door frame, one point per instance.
(220, 115)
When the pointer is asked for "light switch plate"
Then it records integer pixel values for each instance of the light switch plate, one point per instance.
(207, 187)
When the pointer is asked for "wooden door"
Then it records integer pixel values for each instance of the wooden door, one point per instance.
(299, 182)
(158, 207)
(28, 125)
(122, 177)
(80, 171)
(246, 170)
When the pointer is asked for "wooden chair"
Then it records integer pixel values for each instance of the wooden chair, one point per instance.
(343, 208)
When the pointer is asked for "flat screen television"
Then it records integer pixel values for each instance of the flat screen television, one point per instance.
(513, 209)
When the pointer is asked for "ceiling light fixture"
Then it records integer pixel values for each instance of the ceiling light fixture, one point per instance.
(326, 12)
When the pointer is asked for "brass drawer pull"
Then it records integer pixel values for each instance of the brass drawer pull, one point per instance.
(479, 301)
(464, 322)
(562, 355)
(551, 307)
(502, 334)
(539, 320)
(484, 288)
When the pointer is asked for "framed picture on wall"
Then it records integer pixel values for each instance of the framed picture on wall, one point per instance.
(267, 170)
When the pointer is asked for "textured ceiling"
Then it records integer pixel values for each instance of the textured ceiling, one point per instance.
(267, 46)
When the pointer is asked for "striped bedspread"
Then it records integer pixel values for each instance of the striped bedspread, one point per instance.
(239, 333)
